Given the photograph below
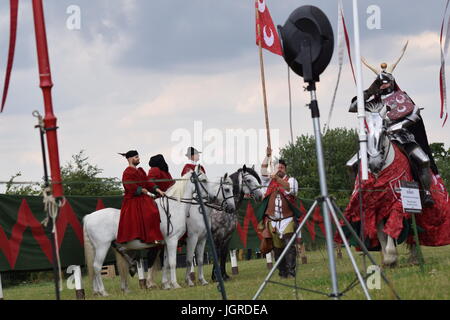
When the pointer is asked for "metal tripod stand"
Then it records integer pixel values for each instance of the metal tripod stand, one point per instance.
(328, 209)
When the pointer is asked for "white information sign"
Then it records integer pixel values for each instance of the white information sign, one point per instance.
(411, 197)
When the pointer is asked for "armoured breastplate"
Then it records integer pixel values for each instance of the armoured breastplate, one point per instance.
(400, 104)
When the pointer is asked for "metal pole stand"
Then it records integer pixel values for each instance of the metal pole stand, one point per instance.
(328, 209)
(202, 210)
(48, 227)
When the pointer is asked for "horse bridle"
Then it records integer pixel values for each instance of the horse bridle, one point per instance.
(225, 198)
(252, 191)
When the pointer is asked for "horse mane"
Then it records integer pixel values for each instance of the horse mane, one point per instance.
(374, 106)
(177, 190)
(236, 187)
(234, 178)
(253, 173)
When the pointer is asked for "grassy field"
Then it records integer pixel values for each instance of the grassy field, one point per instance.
(409, 282)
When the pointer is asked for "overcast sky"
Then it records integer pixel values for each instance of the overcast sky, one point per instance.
(143, 75)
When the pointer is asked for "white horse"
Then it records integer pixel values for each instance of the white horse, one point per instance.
(220, 197)
(101, 227)
(196, 228)
(381, 155)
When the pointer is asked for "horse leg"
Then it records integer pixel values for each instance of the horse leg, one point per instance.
(223, 260)
(391, 252)
(200, 250)
(122, 266)
(165, 280)
(172, 263)
(219, 254)
(191, 243)
(100, 254)
(388, 250)
(152, 271)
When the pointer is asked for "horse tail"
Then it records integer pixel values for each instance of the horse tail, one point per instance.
(89, 251)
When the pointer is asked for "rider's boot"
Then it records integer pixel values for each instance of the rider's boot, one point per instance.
(423, 162)
(132, 263)
(291, 256)
(282, 272)
(425, 181)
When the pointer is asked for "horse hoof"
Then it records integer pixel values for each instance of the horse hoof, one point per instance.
(101, 294)
(390, 263)
(166, 286)
(204, 282)
(151, 285)
(126, 291)
(176, 286)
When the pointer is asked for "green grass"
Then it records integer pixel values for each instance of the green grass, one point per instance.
(409, 282)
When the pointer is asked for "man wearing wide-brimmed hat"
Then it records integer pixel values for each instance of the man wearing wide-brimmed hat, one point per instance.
(193, 156)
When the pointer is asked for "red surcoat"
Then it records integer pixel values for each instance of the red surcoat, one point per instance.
(190, 166)
(156, 173)
(139, 216)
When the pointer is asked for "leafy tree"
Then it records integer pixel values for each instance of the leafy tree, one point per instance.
(442, 158)
(339, 146)
(80, 178)
(13, 188)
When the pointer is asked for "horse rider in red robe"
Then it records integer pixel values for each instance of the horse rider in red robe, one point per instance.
(139, 215)
(160, 175)
(193, 156)
(159, 170)
(280, 212)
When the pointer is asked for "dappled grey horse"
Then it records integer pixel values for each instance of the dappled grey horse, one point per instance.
(245, 182)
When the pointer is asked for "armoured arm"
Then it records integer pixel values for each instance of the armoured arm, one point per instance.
(410, 119)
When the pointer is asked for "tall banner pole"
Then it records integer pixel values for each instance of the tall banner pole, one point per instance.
(359, 85)
(263, 82)
(263, 79)
(46, 85)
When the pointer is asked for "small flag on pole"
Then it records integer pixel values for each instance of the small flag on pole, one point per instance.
(266, 33)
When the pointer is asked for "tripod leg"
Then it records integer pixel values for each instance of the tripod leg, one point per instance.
(261, 288)
(347, 247)
(363, 247)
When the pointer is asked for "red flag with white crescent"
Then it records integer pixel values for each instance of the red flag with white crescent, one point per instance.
(266, 34)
